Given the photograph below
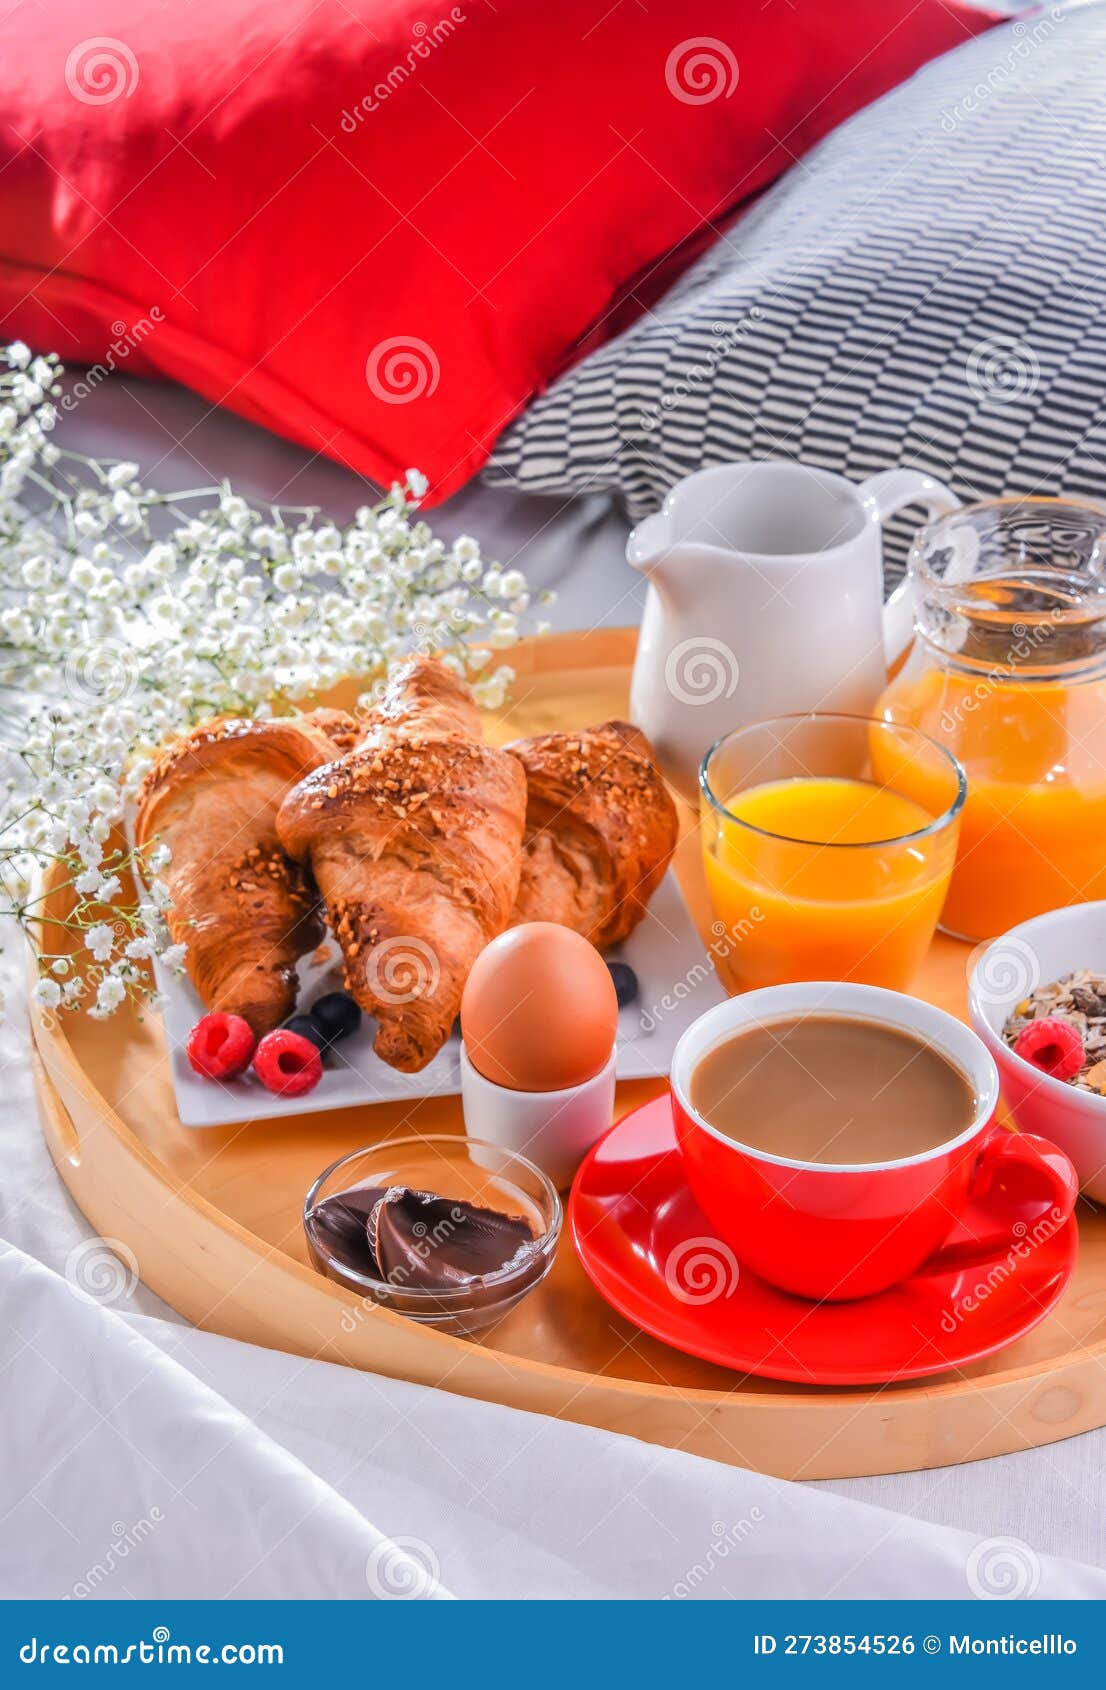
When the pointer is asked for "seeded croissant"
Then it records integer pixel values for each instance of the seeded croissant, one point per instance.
(243, 909)
(414, 841)
(600, 830)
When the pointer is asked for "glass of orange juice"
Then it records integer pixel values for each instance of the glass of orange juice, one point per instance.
(818, 867)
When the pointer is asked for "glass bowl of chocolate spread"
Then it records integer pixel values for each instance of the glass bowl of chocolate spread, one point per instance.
(447, 1230)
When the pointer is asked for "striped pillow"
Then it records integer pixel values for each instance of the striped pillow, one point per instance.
(926, 287)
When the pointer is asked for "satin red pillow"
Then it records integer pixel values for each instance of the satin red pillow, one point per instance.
(379, 226)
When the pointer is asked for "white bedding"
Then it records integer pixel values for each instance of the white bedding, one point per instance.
(277, 1477)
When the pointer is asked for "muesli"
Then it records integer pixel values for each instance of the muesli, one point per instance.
(1061, 1028)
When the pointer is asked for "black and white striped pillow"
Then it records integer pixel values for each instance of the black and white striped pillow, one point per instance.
(927, 287)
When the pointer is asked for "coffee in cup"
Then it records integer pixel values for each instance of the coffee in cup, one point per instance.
(832, 1088)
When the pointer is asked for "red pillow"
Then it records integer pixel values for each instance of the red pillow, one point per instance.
(378, 226)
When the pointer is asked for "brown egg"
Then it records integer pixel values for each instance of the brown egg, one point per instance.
(539, 1011)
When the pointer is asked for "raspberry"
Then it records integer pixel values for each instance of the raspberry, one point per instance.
(287, 1063)
(220, 1046)
(1053, 1046)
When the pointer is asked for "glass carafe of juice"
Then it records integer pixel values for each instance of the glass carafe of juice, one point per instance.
(1008, 671)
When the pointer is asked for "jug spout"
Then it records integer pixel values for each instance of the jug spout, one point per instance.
(648, 546)
(685, 574)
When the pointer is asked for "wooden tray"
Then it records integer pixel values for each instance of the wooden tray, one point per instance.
(213, 1219)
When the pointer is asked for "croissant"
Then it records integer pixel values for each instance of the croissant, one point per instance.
(600, 830)
(243, 910)
(414, 840)
(423, 697)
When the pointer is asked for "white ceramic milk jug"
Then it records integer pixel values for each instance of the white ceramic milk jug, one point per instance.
(765, 598)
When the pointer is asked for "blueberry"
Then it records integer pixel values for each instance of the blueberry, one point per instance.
(337, 1015)
(307, 1028)
(625, 982)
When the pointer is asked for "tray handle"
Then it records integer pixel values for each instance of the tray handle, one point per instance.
(58, 1126)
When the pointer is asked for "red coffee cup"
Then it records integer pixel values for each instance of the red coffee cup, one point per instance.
(834, 1231)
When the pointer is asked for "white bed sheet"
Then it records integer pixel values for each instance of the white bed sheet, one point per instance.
(141, 1458)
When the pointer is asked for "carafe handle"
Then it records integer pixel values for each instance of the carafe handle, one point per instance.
(886, 493)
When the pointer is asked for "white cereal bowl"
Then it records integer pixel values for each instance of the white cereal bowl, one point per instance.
(1005, 972)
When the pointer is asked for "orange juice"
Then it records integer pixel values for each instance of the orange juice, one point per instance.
(1033, 830)
(825, 878)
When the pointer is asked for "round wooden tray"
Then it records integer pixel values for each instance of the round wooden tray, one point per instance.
(213, 1220)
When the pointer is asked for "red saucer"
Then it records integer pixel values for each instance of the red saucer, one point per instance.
(651, 1253)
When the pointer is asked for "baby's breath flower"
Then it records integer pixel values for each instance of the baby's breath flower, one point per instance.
(83, 574)
(37, 571)
(127, 616)
(489, 694)
(100, 940)
(110, 993)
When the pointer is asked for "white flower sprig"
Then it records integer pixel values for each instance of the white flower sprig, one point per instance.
(128, 615)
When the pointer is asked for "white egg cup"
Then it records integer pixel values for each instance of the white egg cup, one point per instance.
(555, 1129)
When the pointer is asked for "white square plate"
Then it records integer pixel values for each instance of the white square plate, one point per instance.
(676, 979)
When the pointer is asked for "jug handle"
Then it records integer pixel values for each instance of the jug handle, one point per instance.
(892, 491)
